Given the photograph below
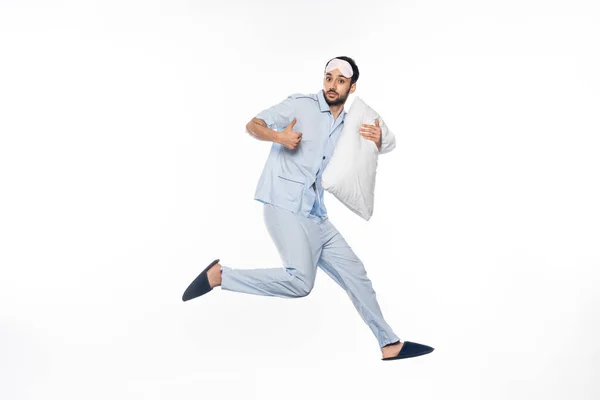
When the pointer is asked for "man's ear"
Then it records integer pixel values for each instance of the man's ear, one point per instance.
(353, 87)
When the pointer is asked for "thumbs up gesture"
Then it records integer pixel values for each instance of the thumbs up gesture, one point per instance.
(288, 137)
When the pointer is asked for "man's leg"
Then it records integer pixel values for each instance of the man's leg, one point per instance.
(345, 268)
(298, 241)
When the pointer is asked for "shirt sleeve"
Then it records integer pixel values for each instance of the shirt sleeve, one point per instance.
(280, 115)
(388, 140)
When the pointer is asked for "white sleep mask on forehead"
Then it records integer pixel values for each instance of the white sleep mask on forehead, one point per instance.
(343, 65)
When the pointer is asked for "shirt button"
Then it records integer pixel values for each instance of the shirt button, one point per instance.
(323, 157)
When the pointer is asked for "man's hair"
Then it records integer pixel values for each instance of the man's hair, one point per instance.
(355, 71)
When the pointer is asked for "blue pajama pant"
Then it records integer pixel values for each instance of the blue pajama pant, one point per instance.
(305, 244)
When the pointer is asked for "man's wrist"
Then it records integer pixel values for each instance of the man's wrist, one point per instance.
(275, 136)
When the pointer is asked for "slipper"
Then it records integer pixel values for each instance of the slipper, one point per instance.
(411, 349)
(200, 285)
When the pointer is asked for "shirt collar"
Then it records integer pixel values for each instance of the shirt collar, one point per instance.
(324, 106)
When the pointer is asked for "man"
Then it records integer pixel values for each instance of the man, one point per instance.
(304, 130)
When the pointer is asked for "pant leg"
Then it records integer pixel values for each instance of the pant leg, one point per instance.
(340, 262)
(297, 241)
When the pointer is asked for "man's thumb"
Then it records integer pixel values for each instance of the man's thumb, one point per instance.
(291, 124)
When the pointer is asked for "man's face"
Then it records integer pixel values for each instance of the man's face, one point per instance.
(336, 87)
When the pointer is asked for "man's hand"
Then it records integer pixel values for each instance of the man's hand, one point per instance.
(373, 133)
(289, 138)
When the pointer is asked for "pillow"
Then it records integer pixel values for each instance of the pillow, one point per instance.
(350, 174)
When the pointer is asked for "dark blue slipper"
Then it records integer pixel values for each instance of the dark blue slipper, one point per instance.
(200, 285)
(411, 349)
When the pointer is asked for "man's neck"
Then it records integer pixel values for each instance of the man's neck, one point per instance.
(336, 110)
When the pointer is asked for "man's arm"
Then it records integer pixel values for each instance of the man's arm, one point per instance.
(258, 128)
(388, 140)
(388, 143)
(269, 123)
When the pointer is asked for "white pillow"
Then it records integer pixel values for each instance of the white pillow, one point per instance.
(350, 174)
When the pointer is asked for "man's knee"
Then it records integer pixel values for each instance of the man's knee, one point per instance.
(300, 288)
(299, 284)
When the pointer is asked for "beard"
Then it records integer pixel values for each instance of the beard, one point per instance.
(338, 100)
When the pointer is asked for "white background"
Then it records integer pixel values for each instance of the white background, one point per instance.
(125, 169)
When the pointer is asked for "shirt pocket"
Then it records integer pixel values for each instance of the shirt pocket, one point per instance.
(291, 190)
